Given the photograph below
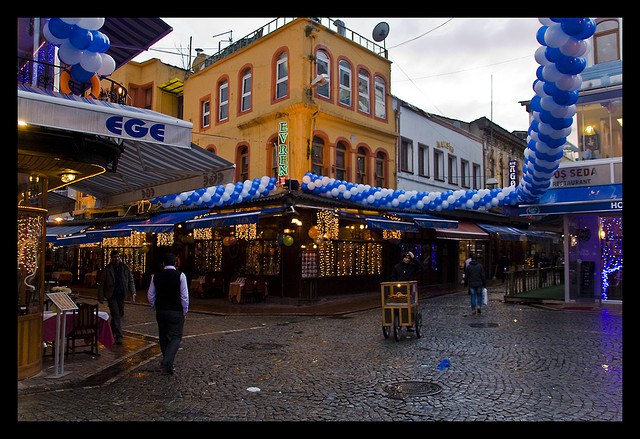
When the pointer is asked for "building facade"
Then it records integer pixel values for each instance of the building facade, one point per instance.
(296, 99)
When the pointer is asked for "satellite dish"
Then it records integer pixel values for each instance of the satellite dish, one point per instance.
(381, 31)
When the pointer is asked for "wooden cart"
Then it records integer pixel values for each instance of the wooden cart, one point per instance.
(400, 308)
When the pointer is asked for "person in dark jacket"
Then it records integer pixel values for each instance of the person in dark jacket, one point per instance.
(407, 269)
(168, 294)
(476, 281)
(115, 284)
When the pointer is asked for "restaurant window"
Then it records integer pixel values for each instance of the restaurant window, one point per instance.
(341, 161)
(245, 95)
(323, 67)
(423, 160)
(206, 114)
(282, 76)
(381, 162)
(606, 41)
(453, 169)
(438, 165)
(242, 162)
(317, 156)
(380, 98)
(223, 100)
(600, 129)
(344, 73)
(361, 166)
(406, 155)
(363, 91)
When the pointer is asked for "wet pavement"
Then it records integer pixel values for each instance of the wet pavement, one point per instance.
(513, 362)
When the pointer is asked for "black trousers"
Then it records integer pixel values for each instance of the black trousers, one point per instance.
(170, 324)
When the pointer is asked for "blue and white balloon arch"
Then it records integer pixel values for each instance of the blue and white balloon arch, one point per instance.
(561, 58)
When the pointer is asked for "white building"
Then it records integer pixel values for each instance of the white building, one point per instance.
(434, 155)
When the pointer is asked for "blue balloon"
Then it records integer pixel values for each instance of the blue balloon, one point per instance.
(540, 35)
(99, 42)
(60, 29)
(535, 103)
(80, 38)
(587, 31)
(566, 98)
(573, 26)
(80, 74)
(553, 54)
(571, 65)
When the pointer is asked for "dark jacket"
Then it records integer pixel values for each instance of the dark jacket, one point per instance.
(406, 272)
(474, 275)
(108, 282)
(167, 286)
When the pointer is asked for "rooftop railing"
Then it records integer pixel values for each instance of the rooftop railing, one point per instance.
(279, 22)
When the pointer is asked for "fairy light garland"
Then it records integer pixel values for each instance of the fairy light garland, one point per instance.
(611, 248)
(328, 224)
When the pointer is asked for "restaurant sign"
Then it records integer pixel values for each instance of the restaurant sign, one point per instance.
(283, 151)
(586, 173)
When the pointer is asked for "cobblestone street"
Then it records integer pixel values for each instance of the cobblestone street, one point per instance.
(513, 362)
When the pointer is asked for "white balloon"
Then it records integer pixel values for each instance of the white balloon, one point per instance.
(554, 36)
(69, 54)
(72, 20)
(574, 47)
(540, 56)
(52, 38)
(551, 73)
(93, 23)
(108, 65)
(91, 61)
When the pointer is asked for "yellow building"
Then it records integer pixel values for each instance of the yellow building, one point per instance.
(294, 97)
(151, 84)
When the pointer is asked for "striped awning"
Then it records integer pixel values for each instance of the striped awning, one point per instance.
(147, 170)
(130, 36)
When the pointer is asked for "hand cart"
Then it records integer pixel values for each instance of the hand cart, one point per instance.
(400, 308)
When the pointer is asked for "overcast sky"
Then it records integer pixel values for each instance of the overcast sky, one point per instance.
(441, 65)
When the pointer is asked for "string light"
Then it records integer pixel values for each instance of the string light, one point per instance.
(246, 231)
(165, 239)
(611, 248)
(328, 224)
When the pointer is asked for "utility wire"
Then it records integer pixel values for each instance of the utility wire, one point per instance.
(422, 35)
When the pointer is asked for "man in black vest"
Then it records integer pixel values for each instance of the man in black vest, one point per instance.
(169, 296)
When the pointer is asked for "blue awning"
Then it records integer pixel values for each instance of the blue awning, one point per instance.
(78, 239)
(232, 218)
(56, 232)
(165, 222)
(508, 233)
(378, 223)
(118, 230)
(426, 221)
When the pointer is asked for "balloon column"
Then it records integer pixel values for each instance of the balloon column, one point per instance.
(82, 47)
(221, 195)
(561, 60)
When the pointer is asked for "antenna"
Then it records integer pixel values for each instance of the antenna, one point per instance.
(381, 31)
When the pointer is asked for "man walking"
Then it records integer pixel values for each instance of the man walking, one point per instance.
(169, 296)
(116, 282)
(475, 279)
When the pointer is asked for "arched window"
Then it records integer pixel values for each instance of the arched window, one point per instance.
(363, 91)
(323, 67)
(381, 165)
(342, 159)
(317, 156)
(242, 163)
(380, 98)
(282, 76)
(606, 41)
(245, 90)
(361, 166)
(344, 75)
(223, 100)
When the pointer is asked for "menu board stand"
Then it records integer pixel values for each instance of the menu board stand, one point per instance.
(63, 303)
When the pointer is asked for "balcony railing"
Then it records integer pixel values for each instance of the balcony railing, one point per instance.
(44, 75)
(280, 22)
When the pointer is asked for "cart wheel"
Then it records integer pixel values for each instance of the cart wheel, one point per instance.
(386, 330)
(418, 324)
(396, 327)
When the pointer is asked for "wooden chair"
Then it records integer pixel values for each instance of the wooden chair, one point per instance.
(85, 327)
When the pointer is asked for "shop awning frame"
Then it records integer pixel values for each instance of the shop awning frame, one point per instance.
(465, 231)
(165, 222)
(508, 233)
(52, 109)
(233, 218)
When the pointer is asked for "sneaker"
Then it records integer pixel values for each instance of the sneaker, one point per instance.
(479, 310)
(473, 312)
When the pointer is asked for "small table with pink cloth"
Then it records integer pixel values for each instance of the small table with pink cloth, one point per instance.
(105, 336)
